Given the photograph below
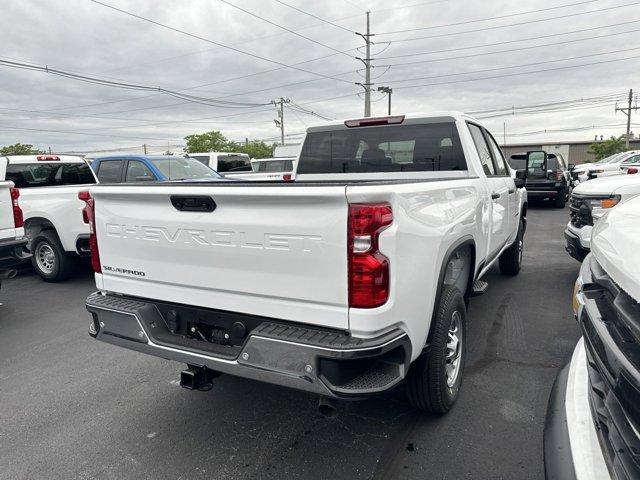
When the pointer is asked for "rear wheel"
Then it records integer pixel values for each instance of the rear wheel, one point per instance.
(434, 379)
(49, 258)
(511, 259)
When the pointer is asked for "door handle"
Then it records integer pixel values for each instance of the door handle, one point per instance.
(495, 196)
(511, 192)
(196, 203)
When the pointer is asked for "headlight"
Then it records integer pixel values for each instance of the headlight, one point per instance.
(600, 205)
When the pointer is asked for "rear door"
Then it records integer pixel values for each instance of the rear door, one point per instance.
(274, 251)
(498, 191)
(502, 170)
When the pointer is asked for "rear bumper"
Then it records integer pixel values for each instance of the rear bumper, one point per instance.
(13, 252)
(574, 246)
(327, 362)
(542, 193)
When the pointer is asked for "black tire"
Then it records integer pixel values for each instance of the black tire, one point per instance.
(47, 250)
(426, 384)
(511, 259)
(561, 199)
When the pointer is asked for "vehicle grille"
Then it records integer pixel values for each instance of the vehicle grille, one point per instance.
(613, 354)
(580, 212)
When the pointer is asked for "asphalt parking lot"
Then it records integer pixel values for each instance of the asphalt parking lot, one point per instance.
(71, 407)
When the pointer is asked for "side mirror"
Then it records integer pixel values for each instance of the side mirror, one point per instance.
(521, 178)
(571, 166)
(536, 160)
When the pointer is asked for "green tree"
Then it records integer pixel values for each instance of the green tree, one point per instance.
(212, 141)
(253, 148)
(607, 148)
(19, 149)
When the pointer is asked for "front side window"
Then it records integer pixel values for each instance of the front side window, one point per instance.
(634, 159)
(138, 172)
(483, 150)
(390, 148)
(29, 175)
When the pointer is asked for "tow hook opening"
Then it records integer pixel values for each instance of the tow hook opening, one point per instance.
(196, 377)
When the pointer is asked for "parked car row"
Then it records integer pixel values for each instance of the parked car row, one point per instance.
(620, 163)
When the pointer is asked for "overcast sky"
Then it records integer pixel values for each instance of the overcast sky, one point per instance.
(87, 38)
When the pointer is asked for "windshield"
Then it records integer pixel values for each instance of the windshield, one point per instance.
(273, 166)
(399, 148)
(178, 168)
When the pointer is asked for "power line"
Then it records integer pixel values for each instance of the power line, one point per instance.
(570, 129)
(483, 29)
(467, 22)
(127, 86)
(228, 47)
(505, 42)
(399, 80)
(226, 2)
(529, 47)
(314, 16)
(73, 132)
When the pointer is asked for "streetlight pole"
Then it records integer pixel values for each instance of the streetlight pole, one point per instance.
(388, 91)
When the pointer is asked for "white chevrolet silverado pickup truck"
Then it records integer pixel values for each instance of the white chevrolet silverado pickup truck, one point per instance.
(344, 282)
(12, 239)
(49, 186)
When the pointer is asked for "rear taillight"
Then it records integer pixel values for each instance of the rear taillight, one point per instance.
(287, 177)
(89, 217)
(18, 218)
(632, 170)
(368, 268)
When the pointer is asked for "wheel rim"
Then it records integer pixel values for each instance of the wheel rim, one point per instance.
(45, 258)
(454, 349)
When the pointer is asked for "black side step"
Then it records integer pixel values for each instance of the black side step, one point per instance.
(478, 288)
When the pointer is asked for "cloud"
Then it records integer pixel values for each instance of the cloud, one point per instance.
(84, 37)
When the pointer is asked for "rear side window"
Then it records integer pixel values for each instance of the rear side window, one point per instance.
(234, 163)
(399, 148)
(110, 171)
(29, 175)
(483, 149)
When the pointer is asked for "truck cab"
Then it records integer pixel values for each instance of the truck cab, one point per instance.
(151, 168)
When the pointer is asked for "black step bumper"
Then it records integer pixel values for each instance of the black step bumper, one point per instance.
(13, 252)
(327, 362)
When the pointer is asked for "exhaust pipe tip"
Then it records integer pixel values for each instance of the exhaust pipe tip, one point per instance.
(327, 407)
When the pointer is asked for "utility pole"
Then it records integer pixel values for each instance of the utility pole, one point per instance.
(388, 91)
(367, 68)
(504, 134)
(627, 112)
(144, 146)
(280, 120)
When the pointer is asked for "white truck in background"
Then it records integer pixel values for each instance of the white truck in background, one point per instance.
(228, 164)
(345, 282)
(12, 239)
(591, 200)
(49, 186)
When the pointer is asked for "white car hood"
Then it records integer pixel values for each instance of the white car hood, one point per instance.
(607, 185)
(615, 243)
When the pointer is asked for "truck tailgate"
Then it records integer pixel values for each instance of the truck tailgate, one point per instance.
(275, 251)
(7, 229)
